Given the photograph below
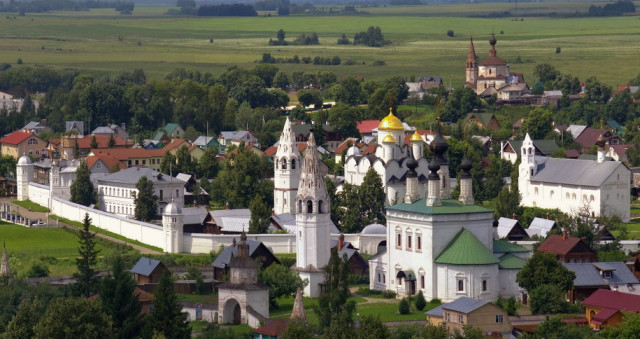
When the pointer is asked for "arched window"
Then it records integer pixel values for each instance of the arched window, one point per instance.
(293, 163)
(320, 209)
(284, 163)
(309, 206)
(460, 285)
(573, 196)
(591, 198)
(484, 285)
(277, 163)
(422, 281)
(299, 209)
(568, 196)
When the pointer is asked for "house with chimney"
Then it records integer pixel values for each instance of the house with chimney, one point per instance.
(568, 249)
(592, 276)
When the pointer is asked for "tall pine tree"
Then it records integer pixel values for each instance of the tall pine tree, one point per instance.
(120, 302)
(372, 198)
(332, 304)
(82, 188)
(86, 277)
(167, 317)
(260, 214)
(146, 201)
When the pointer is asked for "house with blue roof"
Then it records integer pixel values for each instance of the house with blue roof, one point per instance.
(148, 271)
(481, 314)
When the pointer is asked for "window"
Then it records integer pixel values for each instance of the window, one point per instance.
(409, 241)
(460, 285)
(293, 163)
(606, 274)
(398, 240)
(460, 319)
(419, 242)
(161, 195)
(447, 316)
(137, 162)
(484, 285)
(422, 281)
(499, 318)
(177, 193)
(309, 206)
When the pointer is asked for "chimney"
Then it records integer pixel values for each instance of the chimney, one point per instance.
(547, 215)
(340, 242)
(564, 233)
(514, 216)
(273, 212)
(226, 206)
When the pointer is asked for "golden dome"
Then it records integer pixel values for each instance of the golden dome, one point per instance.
(416, 137)
(390, 122)
(389, 138)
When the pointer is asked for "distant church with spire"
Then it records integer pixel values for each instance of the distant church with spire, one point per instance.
(491, 75)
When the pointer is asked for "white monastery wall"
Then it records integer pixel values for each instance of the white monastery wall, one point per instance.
(39, 194)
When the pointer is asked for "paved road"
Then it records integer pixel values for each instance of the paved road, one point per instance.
(44, 216)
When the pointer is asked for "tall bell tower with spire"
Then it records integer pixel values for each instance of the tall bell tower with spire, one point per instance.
(472, 66)
(287, 166)
(313, 221)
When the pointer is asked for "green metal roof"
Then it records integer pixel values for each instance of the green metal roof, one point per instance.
(511, 261)
(449, 206)
(503, 246)
(466, 249)
(158, 135)
(170, 127)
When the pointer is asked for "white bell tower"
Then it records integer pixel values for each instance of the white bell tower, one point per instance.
(313, 222)
(286, 171)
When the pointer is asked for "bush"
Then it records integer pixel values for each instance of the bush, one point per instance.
(404, 307)
(19, 61)
(388, 294)
(350, 62)
(420, 302)
(558, 50)
(379, 63)
(365, 291)
(436, 301)
(287, 261)
(37, 270)
(450, 33)
(358, 279)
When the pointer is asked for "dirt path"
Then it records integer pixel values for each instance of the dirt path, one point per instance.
(370, 300)
(45, 216)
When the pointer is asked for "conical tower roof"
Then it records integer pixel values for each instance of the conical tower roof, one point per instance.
(5, 270)
(298, 308)
(471, 56)
(287, 146)
(312, 183)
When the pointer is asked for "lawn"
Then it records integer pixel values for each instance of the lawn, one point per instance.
(55, 247)
(30, 205)
(101, 42)
(211, 298)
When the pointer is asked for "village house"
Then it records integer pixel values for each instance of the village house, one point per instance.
(228, 138)
(129, 157)
(20, 143)
(148, 271)
(605, 308)
(592, 276)
(540, 227)
(37, 127)
(257, 252)
(483, 120)
(510, 149)
(464, 311)
(74, 127)
(510, 229)
(568, 249)
(112, 130)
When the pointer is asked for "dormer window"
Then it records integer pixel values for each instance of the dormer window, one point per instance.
(607, 274)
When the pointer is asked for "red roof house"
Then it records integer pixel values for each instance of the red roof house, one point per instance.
(568, 249)
(603, 307)
(367, 126)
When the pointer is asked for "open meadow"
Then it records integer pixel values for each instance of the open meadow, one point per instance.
(101, 41)
(56, 248)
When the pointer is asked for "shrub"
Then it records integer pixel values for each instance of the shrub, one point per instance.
(37, 270)
(420, 302)
(436, 301)
(379, 63)
(19, 61)
(287, 261)
(365, 291)
(450, 33)
(558, 50)
(358, 279)
(404, 307)
(350, 62)
(389, 294)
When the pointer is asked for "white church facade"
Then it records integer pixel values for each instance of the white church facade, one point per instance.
(593, 187)
(443, 247)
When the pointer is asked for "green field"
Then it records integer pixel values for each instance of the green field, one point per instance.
(420, 46)
(55, 247)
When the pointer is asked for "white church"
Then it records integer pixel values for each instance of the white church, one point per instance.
(390, 161)
(575, 186)
(443, 247)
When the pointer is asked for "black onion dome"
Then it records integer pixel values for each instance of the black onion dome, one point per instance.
(465, 165)
(434, 166)
(412, 163)
(493, 40)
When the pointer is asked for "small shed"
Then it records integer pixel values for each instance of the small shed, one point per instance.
(148, 271)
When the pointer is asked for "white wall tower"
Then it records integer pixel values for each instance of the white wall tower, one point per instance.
(24, 169)
(172, 226)
(287, 169)
(313, 221)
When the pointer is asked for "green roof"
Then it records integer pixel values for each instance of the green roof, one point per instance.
(503, 246)
(511, 261)
(170, 127)
(466, 249)
(158, 135)
(485, 118)
(449, 206)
